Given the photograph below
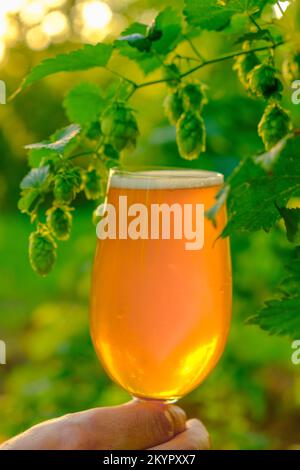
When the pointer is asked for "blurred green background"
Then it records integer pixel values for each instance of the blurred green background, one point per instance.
(252, 399)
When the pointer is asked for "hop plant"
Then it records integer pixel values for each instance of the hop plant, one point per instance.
(92, 184)
(274, 125)
(264, 82)
(191, 135)
(42, 251)
(59, 221)
(291, 68)
(243, 66)
(173, 105)
(67, 184)
(119, 125)
(194, 96)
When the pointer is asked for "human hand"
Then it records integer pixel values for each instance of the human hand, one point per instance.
(133, 426)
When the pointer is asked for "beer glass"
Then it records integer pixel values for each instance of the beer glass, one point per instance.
(161, 287)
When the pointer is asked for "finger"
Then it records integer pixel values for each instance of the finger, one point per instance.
(195, 437)
(135, 425)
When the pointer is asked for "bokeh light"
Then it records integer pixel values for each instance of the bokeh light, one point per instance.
(55, 25)
(96, 14)
(37, 39)
(33, 12)
(92, 19)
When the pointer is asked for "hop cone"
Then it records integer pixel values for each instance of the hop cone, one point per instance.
(243, 66)
(119, 124)
(59, 221)
(67, 185)
(274, 125)
(263, 81)
(173, 106)
(42, 251)
(190, 135)
(194, 97)
(92, 184)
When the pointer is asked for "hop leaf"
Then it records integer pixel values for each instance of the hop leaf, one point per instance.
(67, 185)
(243, 66)
(190, 135)
(59, 221)
(264, 82)
(119, 124)
(274, 125)
(92, 184)
(42, 251)
(194, 96)
(173, 105)
(291, 68)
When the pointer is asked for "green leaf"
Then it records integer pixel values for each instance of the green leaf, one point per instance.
(36, 157)
(291, 219)
(27, 199)
(221, 198)
(63, 138)
(268, 159)
(88, 57)
(142, 44)
(147, 61)
(169, 23)
(35, 178)
(84, 103)
(280, 317)
(214, 15)
(246, 170)
(253, 205)
(137, 41)
(288, 162)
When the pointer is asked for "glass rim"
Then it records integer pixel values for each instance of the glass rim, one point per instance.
(158, 177)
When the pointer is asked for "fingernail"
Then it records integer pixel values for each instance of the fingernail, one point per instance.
(178, 417)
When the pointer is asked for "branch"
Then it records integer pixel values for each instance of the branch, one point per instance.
(194, 48)
(210, 62)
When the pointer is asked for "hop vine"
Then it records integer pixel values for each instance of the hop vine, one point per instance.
(74, 162)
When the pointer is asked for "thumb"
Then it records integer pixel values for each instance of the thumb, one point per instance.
(134, 425)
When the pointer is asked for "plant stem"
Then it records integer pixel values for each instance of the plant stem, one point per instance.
(210, 62)
(260, 29)
(179, 56)
(114, 72)
(280, 8)
(194, 48)
(82, 154)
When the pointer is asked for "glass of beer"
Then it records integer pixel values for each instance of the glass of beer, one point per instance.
(161, 288)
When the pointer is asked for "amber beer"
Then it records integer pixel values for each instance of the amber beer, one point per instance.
(160, 312)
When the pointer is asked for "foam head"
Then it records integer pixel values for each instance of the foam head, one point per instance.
(164, 179)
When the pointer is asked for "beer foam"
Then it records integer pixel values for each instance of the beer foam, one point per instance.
(165, 179)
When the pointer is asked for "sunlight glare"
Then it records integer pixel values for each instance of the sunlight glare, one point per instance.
(37, 39)
(96, 14)
(55, 24)
(2, 51)
(33, 12)
(277, 10)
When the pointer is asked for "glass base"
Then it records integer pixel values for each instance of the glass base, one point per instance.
(163, 401)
